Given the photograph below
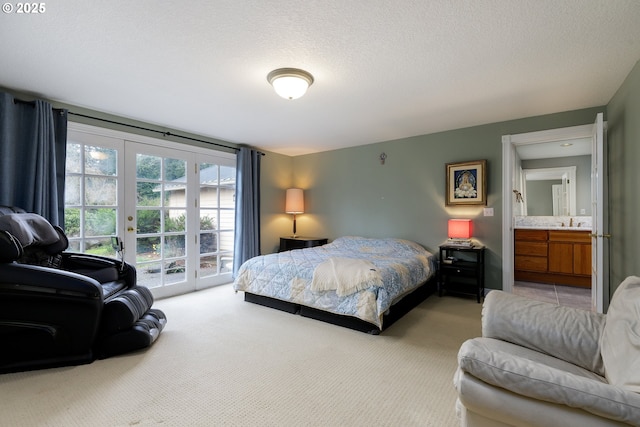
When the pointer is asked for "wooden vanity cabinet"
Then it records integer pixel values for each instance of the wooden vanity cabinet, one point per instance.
(570, 252)
(530, 251)
(553, 256)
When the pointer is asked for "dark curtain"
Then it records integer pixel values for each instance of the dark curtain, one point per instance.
(247, 238)
(33, 141)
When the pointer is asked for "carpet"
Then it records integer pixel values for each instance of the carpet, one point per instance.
(224, 362)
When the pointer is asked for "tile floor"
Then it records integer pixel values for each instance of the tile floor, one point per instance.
(562, 295)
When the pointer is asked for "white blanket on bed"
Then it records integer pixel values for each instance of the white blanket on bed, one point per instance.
(345, 275)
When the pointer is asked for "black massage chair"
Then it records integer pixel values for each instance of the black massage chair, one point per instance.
(59, 308)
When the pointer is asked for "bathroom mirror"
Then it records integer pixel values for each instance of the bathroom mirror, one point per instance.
(549, 191)
(546, 164)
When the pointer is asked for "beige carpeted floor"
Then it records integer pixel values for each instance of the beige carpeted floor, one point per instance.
(225, 362)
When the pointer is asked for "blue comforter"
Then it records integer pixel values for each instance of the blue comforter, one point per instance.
(402, 266)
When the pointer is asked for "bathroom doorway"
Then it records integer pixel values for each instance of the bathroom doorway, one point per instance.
(591, 135)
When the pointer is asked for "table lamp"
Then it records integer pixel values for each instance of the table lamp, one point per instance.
(459, 232)
(294, 204)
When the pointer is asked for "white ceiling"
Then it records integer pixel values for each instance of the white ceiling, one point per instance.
(554, 149)
(383, 69)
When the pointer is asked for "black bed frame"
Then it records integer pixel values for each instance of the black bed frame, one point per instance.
(396, 311)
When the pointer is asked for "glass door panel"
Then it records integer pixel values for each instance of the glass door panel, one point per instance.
(161, 256)
(216, 205)
(92, 186)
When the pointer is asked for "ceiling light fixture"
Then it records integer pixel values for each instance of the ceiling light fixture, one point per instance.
(290, 83)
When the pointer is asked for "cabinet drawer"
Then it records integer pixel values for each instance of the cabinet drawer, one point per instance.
(531, 263)
(460, 271)
(523, 234)
(531, 248)
(570, 236)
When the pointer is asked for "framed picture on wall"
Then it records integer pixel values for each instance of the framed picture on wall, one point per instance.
(467, 183)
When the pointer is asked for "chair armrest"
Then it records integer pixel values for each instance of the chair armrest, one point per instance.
(83, 263)
(570, 334)
(48, 280)
(78, 260)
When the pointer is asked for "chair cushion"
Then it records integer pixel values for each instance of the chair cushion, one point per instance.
(125, 308)
(539, 376)
(621, 336)
(534, 324)
(142, 334)
(29, 229)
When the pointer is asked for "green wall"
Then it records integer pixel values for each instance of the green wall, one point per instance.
(623, 139)
(348, 191)
(275, 178)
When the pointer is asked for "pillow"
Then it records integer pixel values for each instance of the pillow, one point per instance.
(621, 337)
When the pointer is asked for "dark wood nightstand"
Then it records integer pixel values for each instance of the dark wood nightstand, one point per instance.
(461, 270)
(289, 243)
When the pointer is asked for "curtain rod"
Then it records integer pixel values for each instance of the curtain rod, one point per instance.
(153, 130)
(159, 131)
(33, 104)
(16, 100)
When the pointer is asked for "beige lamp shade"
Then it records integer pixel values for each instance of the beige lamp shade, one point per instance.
(294, 203)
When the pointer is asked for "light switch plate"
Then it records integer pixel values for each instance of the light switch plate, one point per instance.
(488, 211)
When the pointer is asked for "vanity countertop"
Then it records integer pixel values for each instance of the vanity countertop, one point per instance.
(568, 223)
(551, 227)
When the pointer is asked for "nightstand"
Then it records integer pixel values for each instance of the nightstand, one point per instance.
(461, 270)
(289, 243)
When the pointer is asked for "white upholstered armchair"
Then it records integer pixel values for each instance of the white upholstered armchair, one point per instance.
(539, 364)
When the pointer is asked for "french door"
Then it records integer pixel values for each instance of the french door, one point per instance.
(173, 208)
(179, 217)
(155, 210)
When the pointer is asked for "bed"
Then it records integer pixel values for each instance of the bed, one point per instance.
(361, 283)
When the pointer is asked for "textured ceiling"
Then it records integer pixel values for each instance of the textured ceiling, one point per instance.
(383, 70)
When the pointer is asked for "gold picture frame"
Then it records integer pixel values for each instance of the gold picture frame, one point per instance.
(466, 183)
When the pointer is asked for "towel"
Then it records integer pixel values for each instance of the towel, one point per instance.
(345, 275)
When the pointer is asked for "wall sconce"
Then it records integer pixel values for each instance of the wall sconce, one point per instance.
(290, 83)
(519, 198)
(459, 232)
(294, 204)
